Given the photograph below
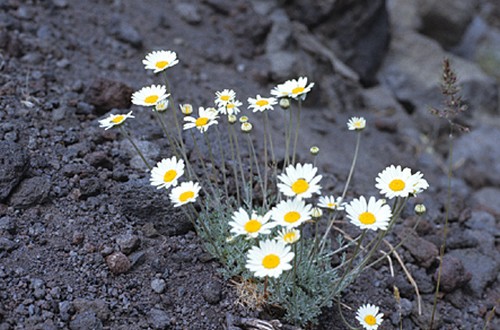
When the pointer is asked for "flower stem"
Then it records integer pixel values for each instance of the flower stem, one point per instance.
(135, 147)
(297, 127)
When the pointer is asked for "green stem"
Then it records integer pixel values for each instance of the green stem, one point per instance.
(235, 168)
(297, 127)
(254, 155)
(223, 162)
(135, 147)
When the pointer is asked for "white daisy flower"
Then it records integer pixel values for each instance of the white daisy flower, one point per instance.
(420, 185)
(270, 258)
(396, 182)
(150, 95)
(160, 60)
(330, 202)
(114, 120)
(261, 103)
(356, 124)
(299, 180)
(186, 109)
(288, 236)
(294, 88)
(374, 214)
(291, 213)
(206, 118)
(166, 173)
(250, 225)
(231, 108)
(186, 192)
(224, 97)
(369, 317)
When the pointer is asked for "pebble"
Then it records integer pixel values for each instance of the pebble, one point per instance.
(453, 274)
(118, 263)
(158, 285)
(85, 321)
(158, 318)
(422, 250)
(128, 243)
(212, 292)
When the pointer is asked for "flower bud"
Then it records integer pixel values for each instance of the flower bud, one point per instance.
(246, 127)
(161, 106)
(316, 212)
(243, 119)
(232, 119)
(420, 209)
(284, 103)
(314, 150)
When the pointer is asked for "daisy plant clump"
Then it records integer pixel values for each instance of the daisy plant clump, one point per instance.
(263, 215)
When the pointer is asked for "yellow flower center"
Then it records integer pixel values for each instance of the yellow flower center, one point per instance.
(370, 320)
(300, 186)
(225, 98)
(202, 121)
(367, 218)
(230, 105)
(330, 205)
(292, 216)
(357, 124)
(298, 90)
(118, 119)
(289, 237)
(161, 64)
(151, 99)
(252, 226)
(186, 195)
(169, 175)
(271, 261)
(262, 103)
(397, 185)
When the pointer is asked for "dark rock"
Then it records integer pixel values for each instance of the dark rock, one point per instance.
(78, 238)
(137, 258)
(143, 204)
(65, 310)
(7, 245)
(212, 292)
(8, 225)
(221, 6)
(158, 319)
(125, 32)
(484, 269)
(118, 263)
(32, 191)
(14, 161)
(453, 274)
(188, 12)
(460, 239)
(423, 251)
(446, 20)
(423, 320)
(477, 151)
(358, 31)
(98, 306)
(128, 243)
(90, 187)
(149, 230)
(84, 321)
(99, 159)
(479, 220)
(107, 94)
(487, 199)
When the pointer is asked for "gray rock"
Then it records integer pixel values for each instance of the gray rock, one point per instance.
(446, 20)
(404, 14)
(125, 32)
(14, 162)
(98, 306)
(8, 225)
(487, 199)
(422, 250)
(148, 149)
(65, 310)
(90, 187)
(423, 320)
(7, 245)
(487, 54)
(32, 191)
(212, 292)
(484, 269)
(282, 64)
(453, 274)
(188, 12)
(477, 151)
(105, 94)
(158, 285)
(158, 319)
(483, 221)
(412, 70)
(128, 243)
(85, 321)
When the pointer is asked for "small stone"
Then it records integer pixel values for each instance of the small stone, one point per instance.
(78, 238)
(118, 263)
(7, 245)
(422, 250)
(158, 318)
(15, 160)
(128, 243)
(212, 292)
(188, 12)
(105, 94)
(8, 225)
(148, 229)
(84, 321)
(127, 33)
(32, 191)
(453, 274)
(65, 310)
(158, 285)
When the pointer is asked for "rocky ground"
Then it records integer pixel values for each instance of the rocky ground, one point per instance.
(87, 243)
